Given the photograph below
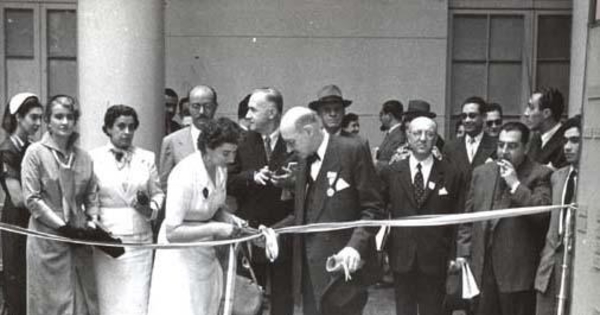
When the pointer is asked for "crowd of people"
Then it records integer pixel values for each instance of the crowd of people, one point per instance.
(220, 179)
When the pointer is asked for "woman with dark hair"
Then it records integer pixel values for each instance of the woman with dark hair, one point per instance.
(22, 119)
(60, 192)
(129, 198)
(190, 280)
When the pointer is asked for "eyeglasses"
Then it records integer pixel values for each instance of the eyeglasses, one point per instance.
(204, 106)
(464, 116)
(418, 133)
(495, 122)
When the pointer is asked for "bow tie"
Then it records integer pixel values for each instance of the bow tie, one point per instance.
(119, 155)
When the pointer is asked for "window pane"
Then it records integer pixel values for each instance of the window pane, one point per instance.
(554, 74)
(506, 38)
(505, 87)
(554, 36)
(18, 25)
(469, 37)
(62, 77)
(62, 33)
(467, 80)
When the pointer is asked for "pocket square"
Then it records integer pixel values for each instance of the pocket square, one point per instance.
(341, 185)
(443, 191)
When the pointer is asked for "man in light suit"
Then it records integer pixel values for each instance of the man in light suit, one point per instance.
(564, 187)
(253, 180)
(504, 253)
(336, 181)
(542, 115)
(391, 122)
(178, 145)
(421, 185)
(476, 147)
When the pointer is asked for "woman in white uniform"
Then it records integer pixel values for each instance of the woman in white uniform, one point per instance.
(129, 198)
(190, 281)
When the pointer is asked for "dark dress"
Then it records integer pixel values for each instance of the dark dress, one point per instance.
(13, 245)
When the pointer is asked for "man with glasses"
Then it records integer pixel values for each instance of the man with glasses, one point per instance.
(178, 145)
(493, 119)
(421, 185)
(504, 253)
(476, 147)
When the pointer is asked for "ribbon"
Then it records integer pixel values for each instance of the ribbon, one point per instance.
(271, 234)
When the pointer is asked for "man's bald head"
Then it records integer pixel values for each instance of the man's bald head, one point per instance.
(301, 128)
(422, 135)
(203, 104)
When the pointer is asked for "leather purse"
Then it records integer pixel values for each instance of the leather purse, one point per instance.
(248, 295)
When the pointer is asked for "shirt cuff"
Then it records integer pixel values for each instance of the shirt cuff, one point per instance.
(514, 187)
(155, 208)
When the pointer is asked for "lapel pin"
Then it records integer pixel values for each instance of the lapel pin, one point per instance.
(330, 192)
(205, 192)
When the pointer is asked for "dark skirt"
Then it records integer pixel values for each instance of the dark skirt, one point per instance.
(14, 262)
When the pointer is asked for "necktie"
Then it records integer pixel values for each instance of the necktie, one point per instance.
(419, 190)
(268, 151)
(471, 148)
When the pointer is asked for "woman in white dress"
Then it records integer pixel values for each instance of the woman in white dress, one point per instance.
(190, 281)
(129, 198)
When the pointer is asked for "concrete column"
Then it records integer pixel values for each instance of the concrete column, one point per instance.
(121, 50)
(581, 11)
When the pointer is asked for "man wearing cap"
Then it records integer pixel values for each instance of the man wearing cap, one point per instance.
(331, 107)
(475, 147)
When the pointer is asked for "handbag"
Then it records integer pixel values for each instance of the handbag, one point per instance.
(248, 295)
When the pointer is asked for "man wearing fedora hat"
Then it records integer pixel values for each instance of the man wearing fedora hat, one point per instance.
(331, 107)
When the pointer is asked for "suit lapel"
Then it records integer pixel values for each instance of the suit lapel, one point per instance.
(279, 155)
(331, 163)
(186, 143)
(403, 167)
(300, 200)
(485, 150)
(435, 176)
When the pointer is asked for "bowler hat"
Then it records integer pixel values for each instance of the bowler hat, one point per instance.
(329, 94)
(418, 108)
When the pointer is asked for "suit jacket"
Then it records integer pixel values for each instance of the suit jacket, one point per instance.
(552, 152)
(552, 249)
(258, 203)
(456, 152)
(175, 147)
(513, 243)
(428, 247)
(388, 146)
(345, 161)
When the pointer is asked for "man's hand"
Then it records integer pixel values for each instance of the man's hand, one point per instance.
(283, 179)
(508, 172)
(350, 258)
(262, 176)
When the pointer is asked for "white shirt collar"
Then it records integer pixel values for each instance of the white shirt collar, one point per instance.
(426, 166)
(548, 134)
(394, 127)
(195, 134)
(477, 138)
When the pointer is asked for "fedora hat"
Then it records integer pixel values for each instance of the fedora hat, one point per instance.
(419, 108)
(329, 94)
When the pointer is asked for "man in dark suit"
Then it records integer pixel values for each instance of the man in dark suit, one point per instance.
(260, 156)
(564, 188)
(542, 116)
(336, 181)
(504, 253)
(421, 185)
(476, 147)
(493, 119)
(391, 122)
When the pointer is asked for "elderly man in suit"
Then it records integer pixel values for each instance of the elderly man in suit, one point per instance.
(476, 147)
(254, 182)
(542, 115)
(564, 187)
(391, 122)
(336, 181)
(178, 145)
(504, 253)
(421, 185)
